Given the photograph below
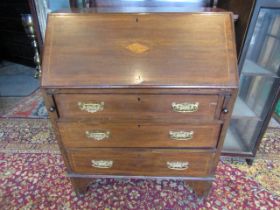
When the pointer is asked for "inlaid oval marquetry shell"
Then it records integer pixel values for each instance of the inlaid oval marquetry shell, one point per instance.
(137, 48)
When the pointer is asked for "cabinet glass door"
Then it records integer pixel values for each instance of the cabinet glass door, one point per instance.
(259, 80)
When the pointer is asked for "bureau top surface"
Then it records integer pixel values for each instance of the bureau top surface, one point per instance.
(157, 50)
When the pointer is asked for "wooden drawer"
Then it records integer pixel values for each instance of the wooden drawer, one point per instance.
(141, 162)
(136, 106)
(90, 134)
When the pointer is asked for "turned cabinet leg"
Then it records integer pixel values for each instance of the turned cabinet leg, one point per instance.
(201, 188)
(250, 161)
(80, 185)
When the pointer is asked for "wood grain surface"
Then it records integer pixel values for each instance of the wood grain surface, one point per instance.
(137, 135)
(140, 50)
(137, 66)
(141, 162)
(137, 106)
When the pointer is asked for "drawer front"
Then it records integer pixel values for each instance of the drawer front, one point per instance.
(141, 162)
(89, 134)
(109, 106)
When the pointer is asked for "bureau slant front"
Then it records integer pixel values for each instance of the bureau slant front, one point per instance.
(140, 95)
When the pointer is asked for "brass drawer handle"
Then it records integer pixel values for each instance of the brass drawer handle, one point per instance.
(98, 135)
(177, 165)
(185, 107)
(102, 163)
(91, 107)
(181, 135)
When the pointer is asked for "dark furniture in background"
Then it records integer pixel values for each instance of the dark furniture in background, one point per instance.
(259, 68)
(243, 10)
(39, 35)
(14, 43)
(135, 3)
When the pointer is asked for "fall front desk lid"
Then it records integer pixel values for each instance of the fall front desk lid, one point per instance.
(94, 50)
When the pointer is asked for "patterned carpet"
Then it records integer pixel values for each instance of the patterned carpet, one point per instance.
(32, 176)
(37, 181)
(270, 145)
(27, 136)
(29, 107)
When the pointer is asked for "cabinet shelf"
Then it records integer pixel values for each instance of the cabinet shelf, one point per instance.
(242, 110)
(233, 142)
(259, 81)
(253, 69)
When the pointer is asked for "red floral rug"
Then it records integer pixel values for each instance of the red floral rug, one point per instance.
(29, 107)
(27, 136)
(270, 144)
(32, 176)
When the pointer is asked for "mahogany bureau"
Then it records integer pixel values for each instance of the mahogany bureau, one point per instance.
(140, 95)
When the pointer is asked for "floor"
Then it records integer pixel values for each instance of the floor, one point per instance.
(6, 103)
(17, 80)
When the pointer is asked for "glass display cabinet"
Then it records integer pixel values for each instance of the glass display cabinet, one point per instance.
(259, 67)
